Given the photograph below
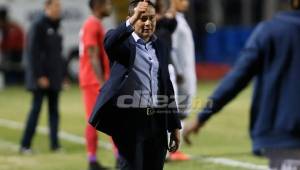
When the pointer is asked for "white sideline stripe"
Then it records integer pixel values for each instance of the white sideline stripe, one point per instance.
(42, 130)
(10, 145)
(234, 163)
(80, 140)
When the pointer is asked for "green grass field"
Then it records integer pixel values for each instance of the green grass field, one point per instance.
(225, 136)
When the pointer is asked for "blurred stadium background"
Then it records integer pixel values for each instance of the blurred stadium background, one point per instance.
(220, 29)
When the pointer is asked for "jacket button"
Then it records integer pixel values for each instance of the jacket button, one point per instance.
(126, 76)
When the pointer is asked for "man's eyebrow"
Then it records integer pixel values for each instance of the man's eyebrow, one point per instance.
(147, 15)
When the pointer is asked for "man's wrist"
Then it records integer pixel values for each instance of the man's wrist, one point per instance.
(129, 24)
(175, 130)
(133, 19)
(208, 111)
(203, 117)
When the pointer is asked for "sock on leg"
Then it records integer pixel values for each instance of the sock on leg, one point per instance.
(92, 158)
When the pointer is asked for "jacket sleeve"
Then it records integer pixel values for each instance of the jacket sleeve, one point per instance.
(248, 65)
(36, 50)
(176, 57)
(114, 38)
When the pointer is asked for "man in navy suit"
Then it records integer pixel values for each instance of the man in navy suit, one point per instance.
(44, 73)
(136, 105)
(272, 57)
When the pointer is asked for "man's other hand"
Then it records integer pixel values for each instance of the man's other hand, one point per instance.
(174, 141)
(192, 127)
(43, 82)
(138, 11)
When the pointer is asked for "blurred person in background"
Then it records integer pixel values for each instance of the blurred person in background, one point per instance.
(183, 60)
(165, 27)
(11, 47)
(44, 72)
(94, 70)
(166, 23)
(139, 73)
(272, 57)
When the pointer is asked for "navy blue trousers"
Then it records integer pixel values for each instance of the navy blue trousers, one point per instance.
(33, 117)
(142, 143)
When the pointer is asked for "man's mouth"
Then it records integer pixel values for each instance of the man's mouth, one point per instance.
(146, 30)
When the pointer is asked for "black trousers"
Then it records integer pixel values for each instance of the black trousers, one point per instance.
(145, 146)
(33, 116)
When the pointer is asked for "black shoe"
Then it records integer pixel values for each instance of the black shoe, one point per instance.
(96, 166)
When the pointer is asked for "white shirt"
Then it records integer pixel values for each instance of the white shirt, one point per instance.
(183, 55)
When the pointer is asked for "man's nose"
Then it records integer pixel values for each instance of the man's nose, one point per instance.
(148, 22)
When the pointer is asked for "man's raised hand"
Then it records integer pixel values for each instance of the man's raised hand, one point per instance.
(138, 11)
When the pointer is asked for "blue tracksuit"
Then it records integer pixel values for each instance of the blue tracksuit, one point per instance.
(272, 58)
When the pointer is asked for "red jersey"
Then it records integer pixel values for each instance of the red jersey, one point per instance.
(91, 34)
(13, 38)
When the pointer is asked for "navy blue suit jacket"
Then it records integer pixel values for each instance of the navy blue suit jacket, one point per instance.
(43, 54)
(272, 57)
(121, 49)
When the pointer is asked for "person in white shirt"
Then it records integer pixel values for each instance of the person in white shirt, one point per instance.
(183, 61)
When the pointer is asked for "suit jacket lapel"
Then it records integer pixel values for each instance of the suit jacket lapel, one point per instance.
(160, 56)
(158, 52)
(132, 47)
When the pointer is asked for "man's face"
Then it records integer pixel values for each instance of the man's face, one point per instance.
(145, 26)
(181, 5)
(105, 8)
(54, 9)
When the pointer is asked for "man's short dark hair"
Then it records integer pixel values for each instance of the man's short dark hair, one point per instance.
(48, 2)
(134, 3)
(93, 3)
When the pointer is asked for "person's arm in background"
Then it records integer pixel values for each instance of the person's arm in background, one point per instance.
(248, 65)
(176, 58)
(37, 55)
(171, 12)
(91, 37)
(93, 52)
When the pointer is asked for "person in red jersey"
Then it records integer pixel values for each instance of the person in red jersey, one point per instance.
(94, 69)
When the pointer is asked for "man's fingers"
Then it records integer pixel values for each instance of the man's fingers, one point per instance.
(142, 7)
(170, 148)
(186, 134)
(145, 6)
(186, 137)
(187, 140)
(176, 146)
(172, 145)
